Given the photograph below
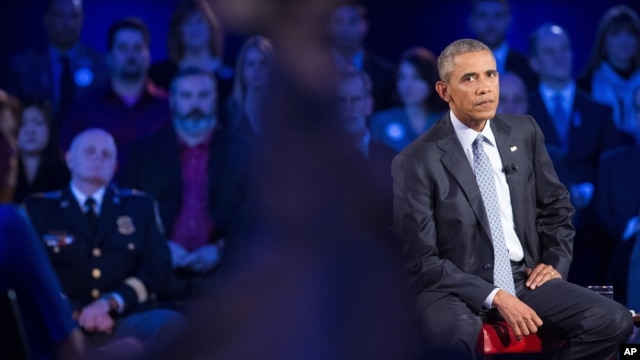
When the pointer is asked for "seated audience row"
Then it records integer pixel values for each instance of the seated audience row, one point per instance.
(183, 133)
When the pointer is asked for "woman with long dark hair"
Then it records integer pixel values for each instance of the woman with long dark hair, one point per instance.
(41, 166)
(420, 106)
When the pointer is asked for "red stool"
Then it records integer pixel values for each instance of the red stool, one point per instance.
(496, 337)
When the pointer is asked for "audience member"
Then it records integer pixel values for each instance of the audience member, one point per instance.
(36, 321)
(130, 107)
(106, 246)
(9, 113)
(255, 71)
(613, 68)
(577, 131)
(514, 97)
(355, 106)
(316, 256)
(48, 327)
(489, 21)
(192, 169)
(41, 166)
(616, 203)
(346, 30)
(420, 108)
(62, 70)
(499, 246)
(195, 39)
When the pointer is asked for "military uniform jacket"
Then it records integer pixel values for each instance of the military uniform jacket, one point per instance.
(127, 254)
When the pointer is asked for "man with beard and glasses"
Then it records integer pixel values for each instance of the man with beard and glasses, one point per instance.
(194, 171)
(130, 107)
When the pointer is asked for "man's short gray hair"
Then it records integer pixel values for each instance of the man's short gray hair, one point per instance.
(458, 47)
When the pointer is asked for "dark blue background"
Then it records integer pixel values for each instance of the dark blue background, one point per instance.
(394, 25)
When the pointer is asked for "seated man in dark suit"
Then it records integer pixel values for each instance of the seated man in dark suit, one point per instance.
(577, 131)
(355, 106)
(64, 69)
(106, 246)
(193, 171)
(486, 224)
(346, 30)
(616, 204)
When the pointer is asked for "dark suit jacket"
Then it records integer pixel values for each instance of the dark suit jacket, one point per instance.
(592, 133)
(128, 244)
(154, 167)
(31, 74)
(440, 216)
(382, 77)
(380, 158)
(519, 64)
(616, 199)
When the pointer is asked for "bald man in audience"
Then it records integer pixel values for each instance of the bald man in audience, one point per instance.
(106, 246)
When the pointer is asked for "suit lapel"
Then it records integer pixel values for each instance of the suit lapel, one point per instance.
(457, 163)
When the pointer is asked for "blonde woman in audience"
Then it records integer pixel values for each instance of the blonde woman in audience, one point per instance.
(255, 69)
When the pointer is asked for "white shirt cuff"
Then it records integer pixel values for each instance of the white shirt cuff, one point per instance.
(488, 302)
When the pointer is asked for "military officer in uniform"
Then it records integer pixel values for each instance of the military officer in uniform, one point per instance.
(106, 246)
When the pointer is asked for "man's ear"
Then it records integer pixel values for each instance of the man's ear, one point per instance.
(443, 90)
(68, 159)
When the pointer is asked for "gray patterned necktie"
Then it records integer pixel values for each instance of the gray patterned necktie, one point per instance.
(502, 274)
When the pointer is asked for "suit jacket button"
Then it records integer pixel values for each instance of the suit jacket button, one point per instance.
(488, 266)
(96, 273)
(97, 252)
(95, 293)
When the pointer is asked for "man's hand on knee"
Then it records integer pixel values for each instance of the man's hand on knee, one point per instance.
(522, 319)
